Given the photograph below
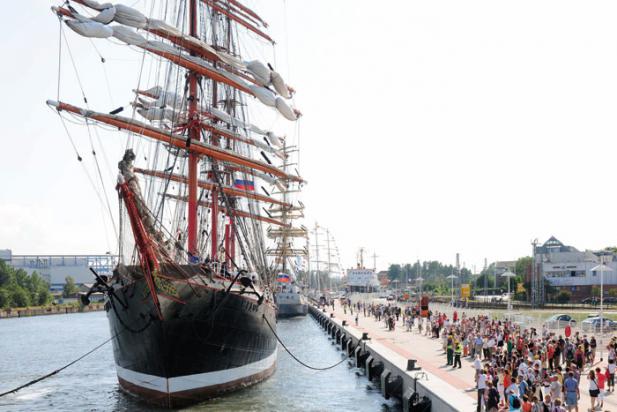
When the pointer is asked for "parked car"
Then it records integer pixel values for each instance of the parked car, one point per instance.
(592, 300)
(593, 324)
(559, 321)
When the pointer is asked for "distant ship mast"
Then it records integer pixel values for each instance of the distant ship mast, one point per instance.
(287, 212)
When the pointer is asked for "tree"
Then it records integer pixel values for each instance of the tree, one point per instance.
(69, 288)
(394, 272)
(407, 271)
(19, 297)
(490, 282)
(5, 299)
(523, 266)
(6, 273)
(44, 297)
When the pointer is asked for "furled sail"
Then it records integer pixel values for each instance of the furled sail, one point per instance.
(174, 139)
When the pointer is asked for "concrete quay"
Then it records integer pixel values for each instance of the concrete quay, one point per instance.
(431, 358)
(390, 364)
(49, 310)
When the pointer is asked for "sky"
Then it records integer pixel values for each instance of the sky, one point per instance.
(429, 128)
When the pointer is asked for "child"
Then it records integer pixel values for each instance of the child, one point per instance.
(601, 382)
(611, 374)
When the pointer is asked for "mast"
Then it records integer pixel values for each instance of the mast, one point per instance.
(215, 143)
(214, 216)
(194, 134)
(308, 260)
(317, 256)
(329, 263)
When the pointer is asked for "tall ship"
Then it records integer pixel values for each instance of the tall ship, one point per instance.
(191, 304)
(324, 272)
(286, 253)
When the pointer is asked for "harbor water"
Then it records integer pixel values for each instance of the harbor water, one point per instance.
(31, 347)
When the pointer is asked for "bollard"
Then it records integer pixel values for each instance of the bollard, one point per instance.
(411, 365)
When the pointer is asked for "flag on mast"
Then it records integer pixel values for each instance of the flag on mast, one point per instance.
(244, 184)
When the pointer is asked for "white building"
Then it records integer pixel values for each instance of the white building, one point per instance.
(568, 268)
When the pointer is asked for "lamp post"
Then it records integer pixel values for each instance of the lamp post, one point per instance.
(508, 274)
(419, 280)
(602, 268)
(452, 277)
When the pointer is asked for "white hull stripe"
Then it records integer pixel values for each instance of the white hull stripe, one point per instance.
(196, 381)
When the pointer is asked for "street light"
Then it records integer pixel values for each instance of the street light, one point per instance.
(508, 274)
(452, 277)
(419, 281)
(602, 268)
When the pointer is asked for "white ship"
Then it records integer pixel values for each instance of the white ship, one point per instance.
(289, 298)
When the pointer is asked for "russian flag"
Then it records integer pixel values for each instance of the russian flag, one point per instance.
(283, 277)
(244, 184)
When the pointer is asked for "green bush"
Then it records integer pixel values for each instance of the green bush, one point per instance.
(563, 296)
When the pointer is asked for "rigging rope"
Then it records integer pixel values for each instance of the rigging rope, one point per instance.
(49, 375)
(296, 358)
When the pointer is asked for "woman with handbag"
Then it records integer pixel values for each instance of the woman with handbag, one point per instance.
(594, 389)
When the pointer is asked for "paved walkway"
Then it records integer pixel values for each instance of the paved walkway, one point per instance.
(432, 358)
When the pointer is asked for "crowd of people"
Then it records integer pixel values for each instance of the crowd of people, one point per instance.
(516, 368)
(524, 369)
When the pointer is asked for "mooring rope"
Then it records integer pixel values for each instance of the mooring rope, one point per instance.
(32, 382)
(296, 358)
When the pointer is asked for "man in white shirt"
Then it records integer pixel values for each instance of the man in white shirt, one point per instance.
(522, 369)
(481, 387)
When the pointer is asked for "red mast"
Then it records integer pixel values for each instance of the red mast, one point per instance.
(194, 134)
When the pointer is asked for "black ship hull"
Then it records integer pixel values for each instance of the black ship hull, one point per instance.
(289, 310)
(209, 342)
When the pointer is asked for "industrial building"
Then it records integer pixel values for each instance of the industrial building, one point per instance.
(55, 268)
